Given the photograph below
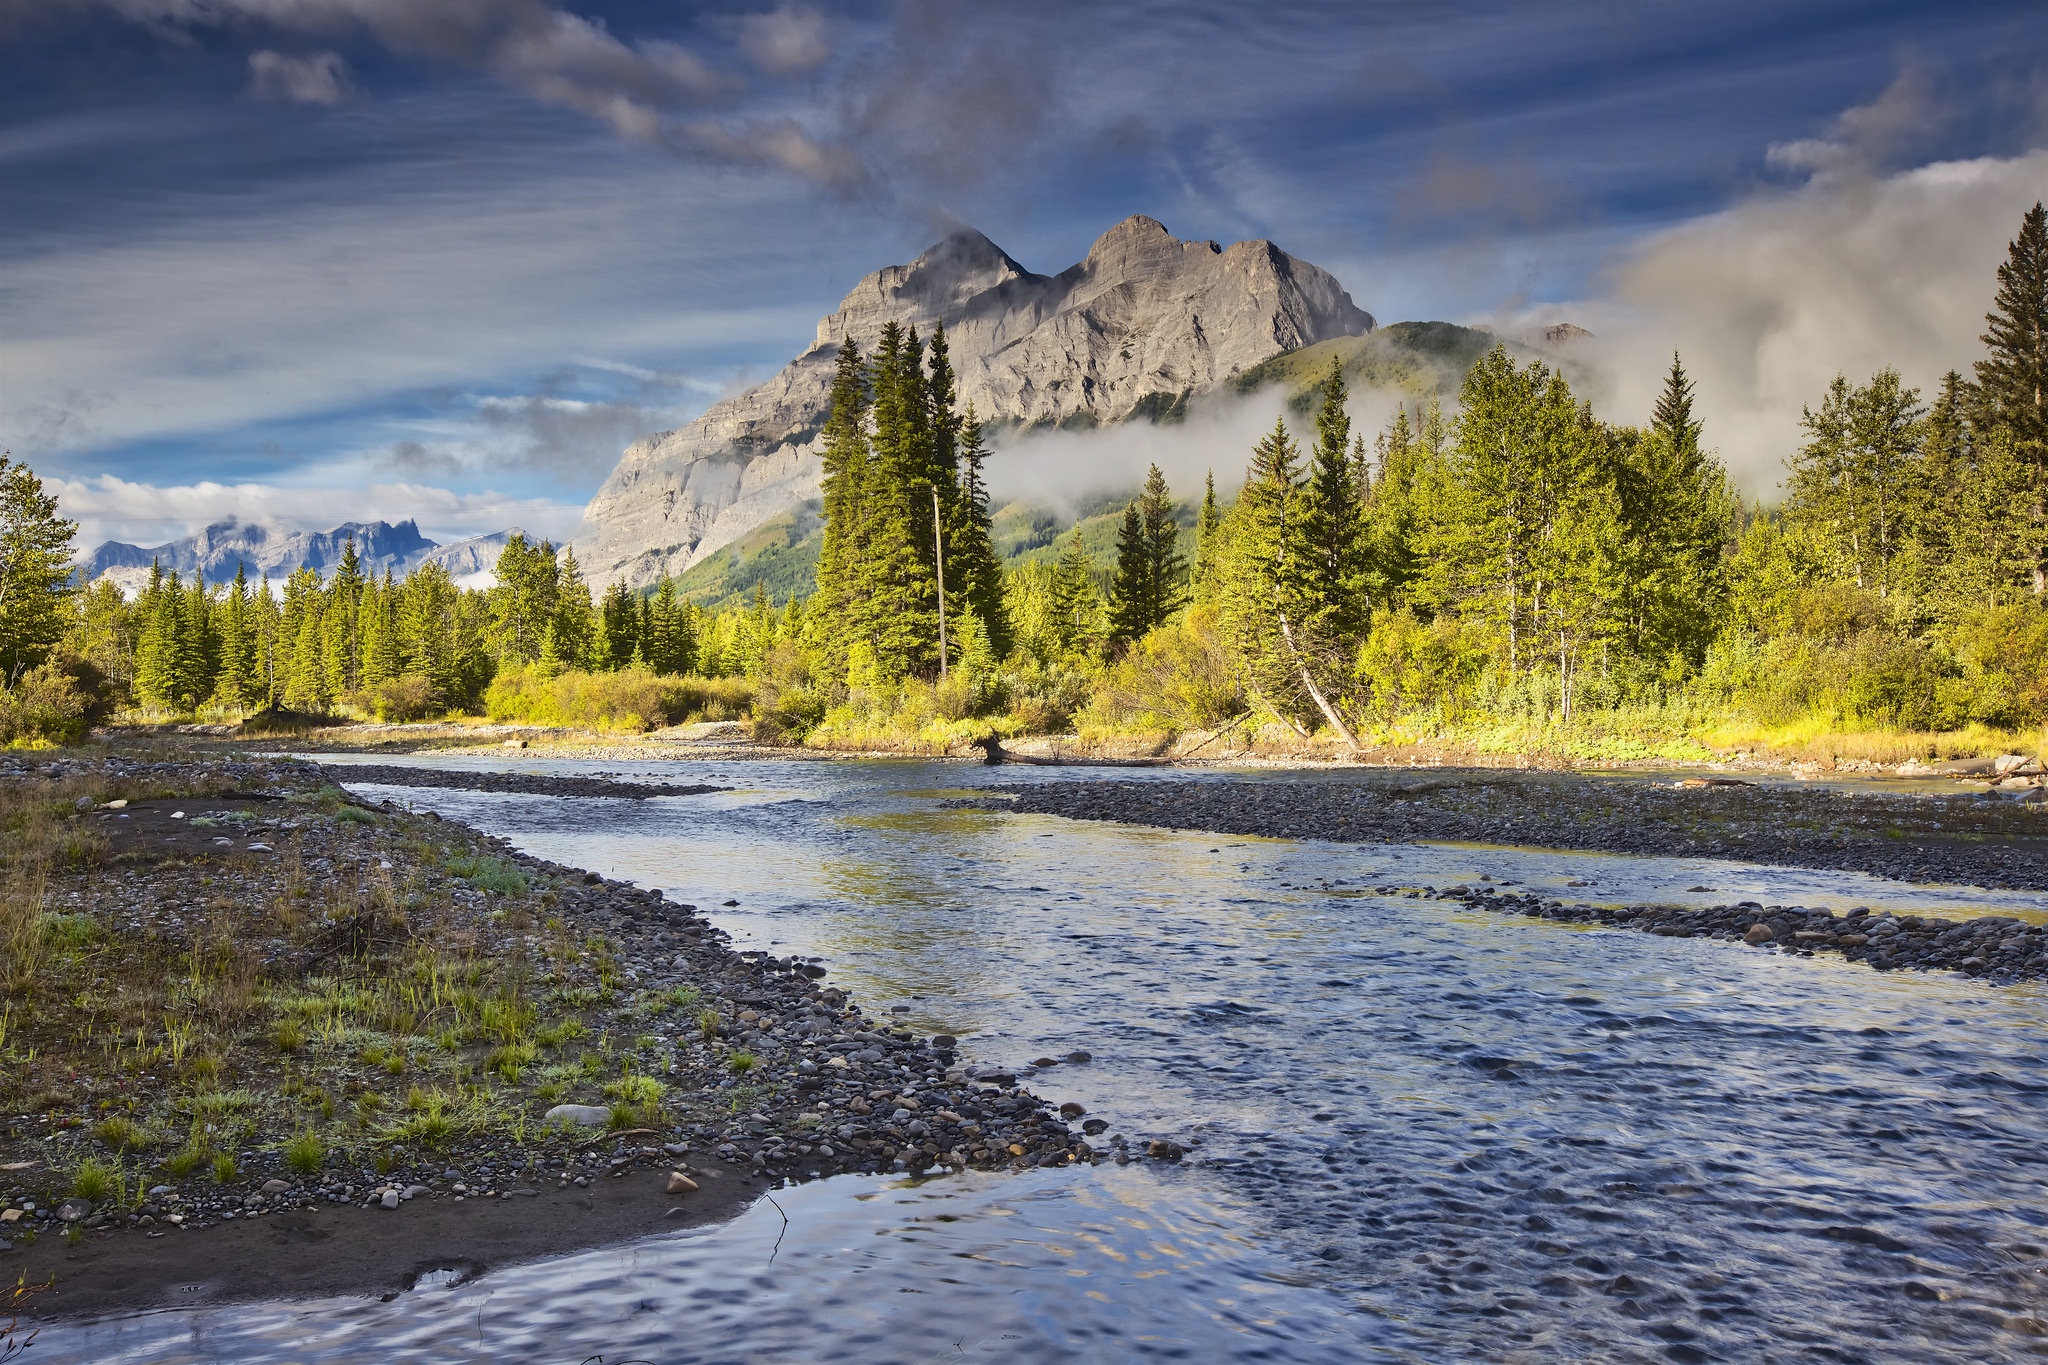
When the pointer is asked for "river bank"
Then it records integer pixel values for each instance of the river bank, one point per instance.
(1953, 840)
(252, 1024)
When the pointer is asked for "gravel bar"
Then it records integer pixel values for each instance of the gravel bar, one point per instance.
(524, 784)
(1961, 839)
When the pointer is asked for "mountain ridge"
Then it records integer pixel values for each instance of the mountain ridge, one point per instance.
(1140, 324)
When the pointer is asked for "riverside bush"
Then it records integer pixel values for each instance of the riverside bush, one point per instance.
(633, 698)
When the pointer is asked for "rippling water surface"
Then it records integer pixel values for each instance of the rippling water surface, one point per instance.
(1421, 1133)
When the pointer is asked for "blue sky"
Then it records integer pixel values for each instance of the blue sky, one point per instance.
(317, 259)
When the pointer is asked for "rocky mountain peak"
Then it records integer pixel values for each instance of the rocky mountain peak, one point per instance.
(1144, 322)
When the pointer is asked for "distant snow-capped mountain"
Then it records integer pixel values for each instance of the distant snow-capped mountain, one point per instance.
(220, 549)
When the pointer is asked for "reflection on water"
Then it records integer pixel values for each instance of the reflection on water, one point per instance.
(1417, 1131)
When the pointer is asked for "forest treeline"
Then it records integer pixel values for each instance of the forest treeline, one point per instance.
(1515, 560)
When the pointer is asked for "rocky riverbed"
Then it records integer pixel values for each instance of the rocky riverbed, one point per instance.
(1969, 838)
(241, 993)
(526, 784)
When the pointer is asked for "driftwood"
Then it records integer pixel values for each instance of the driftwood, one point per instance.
(993, 753)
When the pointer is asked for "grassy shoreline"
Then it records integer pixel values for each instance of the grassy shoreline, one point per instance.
(230, 990)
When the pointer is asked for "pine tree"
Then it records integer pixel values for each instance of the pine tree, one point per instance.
(847, 507)
(1333, 609)
(35, 571)
(341, 626)
(1147, 586)
(1132, 596)
(669, 648)
(618, 626)
(2012, 382)
(1852, 482)
(236, 686)
(1074, 604)
(1208, 543)
(1270, 585)
(971, 560)
(524, 602)
(157, 648)
(899, 617)
(1679, 509)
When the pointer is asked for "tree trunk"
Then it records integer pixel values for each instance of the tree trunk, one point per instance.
(1307, 680)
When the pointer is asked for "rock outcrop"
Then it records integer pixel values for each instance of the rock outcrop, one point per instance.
(1143, 324)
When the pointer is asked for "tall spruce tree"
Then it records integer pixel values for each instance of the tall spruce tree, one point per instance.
(847, 505)
(1208, 543)
(1147, 586)
(972, 568)
(1333, 608)
(35, 571)
(2012, 381)
(1270, 585)
(1131, 590)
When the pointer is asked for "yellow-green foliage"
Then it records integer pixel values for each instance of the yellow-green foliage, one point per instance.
(632, 699)
(1179, 677)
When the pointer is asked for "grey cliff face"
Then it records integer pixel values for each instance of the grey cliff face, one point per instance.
(1144, 321)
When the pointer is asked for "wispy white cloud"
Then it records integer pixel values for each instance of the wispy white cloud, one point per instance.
(1769, 300)
(319, 79)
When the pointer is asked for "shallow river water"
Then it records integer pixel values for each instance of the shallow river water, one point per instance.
(1417, 1132)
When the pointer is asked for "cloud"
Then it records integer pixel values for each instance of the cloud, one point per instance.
(790, 40)
(1769, 300)
(550, 54)
(1064, 467)
(319, 79)
(1905, 119)
(110, 508)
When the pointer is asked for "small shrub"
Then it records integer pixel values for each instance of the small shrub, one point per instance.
(95, 1180)
(708, 1023)
(185, 1160)
(305, 1153)
(498, 876)
(742, 1062)
(121, 1133)
(407, 697)
(224, 1169)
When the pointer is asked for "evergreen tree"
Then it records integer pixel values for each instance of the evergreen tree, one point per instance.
(1333, 609)
(1131, 594)
(669, 647)
(341, 624)
(1390, 552)
(524, 602)
(35, 571)
(1852, 482)
(618, 626)
(1208, 542)
(2012, 381)
(1270, 587)
(271, 669)
(1521, 456)
(847, 506)
(157, 647)
(305, 685)
(1147, 587)
(971, 561)
(1073, 602)
(383, 645)
(573, 636)
(1678, 509)
(237, 685)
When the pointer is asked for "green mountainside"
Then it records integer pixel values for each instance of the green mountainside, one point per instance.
(1419, 358)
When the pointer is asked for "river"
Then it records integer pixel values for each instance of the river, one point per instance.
(1416, 1132)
